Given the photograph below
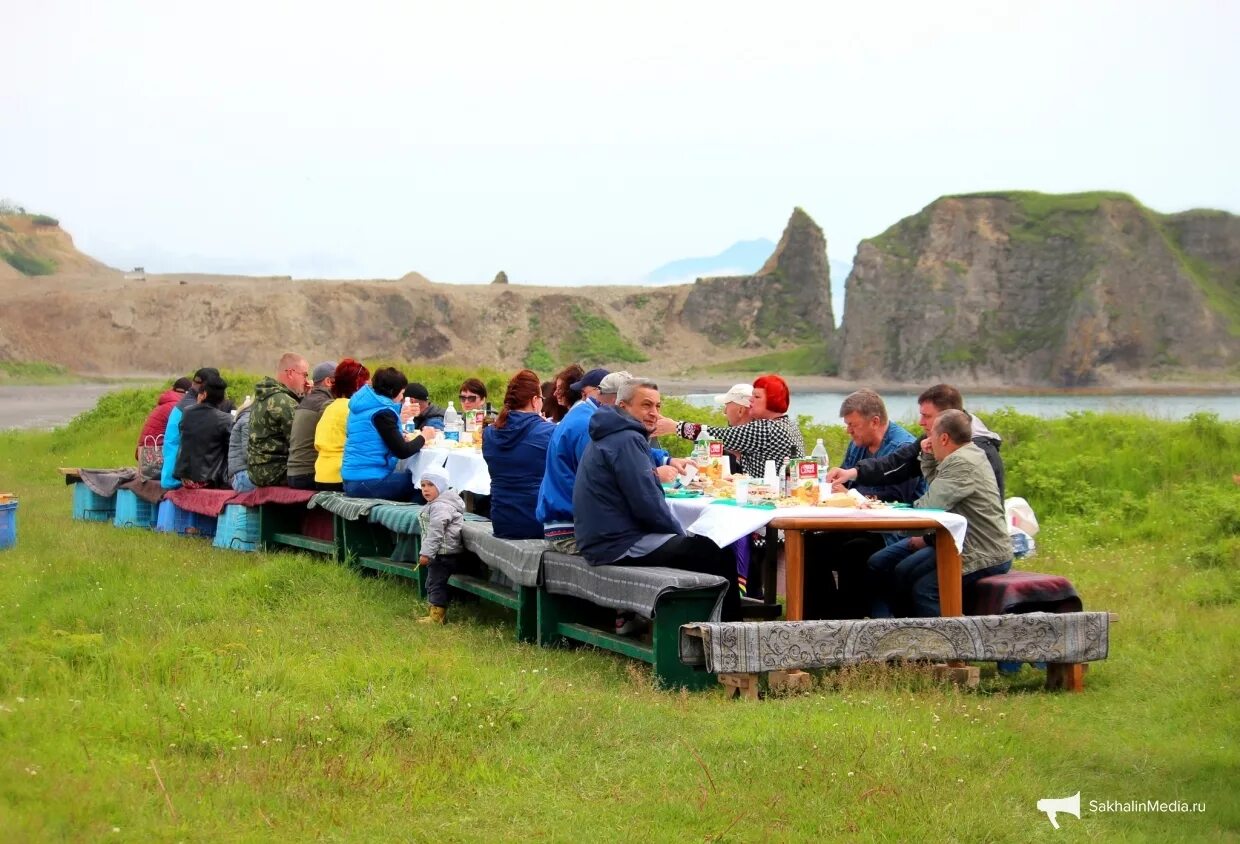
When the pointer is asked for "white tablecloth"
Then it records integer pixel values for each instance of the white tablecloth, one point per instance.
(724, 524)
(467, 471)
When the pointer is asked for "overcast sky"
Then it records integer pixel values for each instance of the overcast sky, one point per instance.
(575, 141)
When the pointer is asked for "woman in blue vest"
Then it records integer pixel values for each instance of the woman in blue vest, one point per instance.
(374, 442)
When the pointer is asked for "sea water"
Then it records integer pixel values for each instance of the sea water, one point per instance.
(825, 407)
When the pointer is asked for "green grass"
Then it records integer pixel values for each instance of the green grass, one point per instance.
(159, 687)
(29, 264)
(34, 372)
(810, 359)
(596, 340)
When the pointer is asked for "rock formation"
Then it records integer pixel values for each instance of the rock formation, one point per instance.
(501, 277)
(788, 300)
(1034, 289)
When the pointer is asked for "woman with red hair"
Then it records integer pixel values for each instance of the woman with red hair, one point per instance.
(329, 434)
(768, 435)
(515, 449)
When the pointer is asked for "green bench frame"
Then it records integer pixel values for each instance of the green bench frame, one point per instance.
(563, 619)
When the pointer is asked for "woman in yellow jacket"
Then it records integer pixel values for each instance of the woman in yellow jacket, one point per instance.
(351, 376)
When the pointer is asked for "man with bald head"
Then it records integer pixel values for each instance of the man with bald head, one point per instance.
(271, 420)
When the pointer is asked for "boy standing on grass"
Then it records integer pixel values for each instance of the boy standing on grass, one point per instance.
(440, 525)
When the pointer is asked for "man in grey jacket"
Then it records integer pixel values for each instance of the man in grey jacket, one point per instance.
(962, 482)
(238, 476)
(301, 450)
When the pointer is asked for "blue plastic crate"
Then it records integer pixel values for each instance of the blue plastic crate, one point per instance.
(237, 528)
(8, 525)
(132, 511)
(164, 516)
(90, 507)
(172, 519)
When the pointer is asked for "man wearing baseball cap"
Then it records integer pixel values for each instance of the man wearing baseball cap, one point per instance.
(736, 404)
(301, 451)
(610, 386)
(572, 435)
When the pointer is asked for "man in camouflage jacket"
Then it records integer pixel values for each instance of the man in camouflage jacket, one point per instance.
(271, 420)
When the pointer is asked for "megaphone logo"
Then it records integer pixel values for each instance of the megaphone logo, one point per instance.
(1053, 805)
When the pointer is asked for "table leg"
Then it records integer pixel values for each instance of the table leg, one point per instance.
(794, 572)
(951, 601)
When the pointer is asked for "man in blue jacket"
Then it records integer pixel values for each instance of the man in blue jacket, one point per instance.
(568, 443)
(621, 516)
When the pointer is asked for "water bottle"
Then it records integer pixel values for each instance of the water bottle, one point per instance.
(410, 426)
(451, 424)
(820, 457)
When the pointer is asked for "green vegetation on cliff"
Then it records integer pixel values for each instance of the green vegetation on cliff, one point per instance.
(810, 359)
(594, 340)
(28, 264)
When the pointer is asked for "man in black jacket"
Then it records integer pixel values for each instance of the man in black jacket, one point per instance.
(202, 461)
(905, 461)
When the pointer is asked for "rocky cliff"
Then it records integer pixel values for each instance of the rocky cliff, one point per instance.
(788, 300)
(1035, 289)
(94, 319)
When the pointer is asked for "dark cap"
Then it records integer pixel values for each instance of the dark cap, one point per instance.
(327, 369)
(591, 379)
(414, 390)
(182, 384)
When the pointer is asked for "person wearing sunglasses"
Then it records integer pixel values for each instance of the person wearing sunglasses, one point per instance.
(473, 395)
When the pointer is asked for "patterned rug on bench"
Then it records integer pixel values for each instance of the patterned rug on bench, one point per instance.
(754, 647)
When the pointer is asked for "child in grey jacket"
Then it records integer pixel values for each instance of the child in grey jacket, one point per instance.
(440, 525)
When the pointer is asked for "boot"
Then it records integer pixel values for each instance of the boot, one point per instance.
(438, 615)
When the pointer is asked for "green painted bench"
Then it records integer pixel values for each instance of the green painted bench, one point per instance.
(577, 602)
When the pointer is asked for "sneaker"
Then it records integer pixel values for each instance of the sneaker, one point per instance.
(630, 624)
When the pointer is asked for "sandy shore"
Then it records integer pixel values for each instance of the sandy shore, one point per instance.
(43, 407)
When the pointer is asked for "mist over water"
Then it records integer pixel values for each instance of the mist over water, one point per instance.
(825, 407)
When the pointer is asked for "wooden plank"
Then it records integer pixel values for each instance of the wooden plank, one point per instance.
(740, 685)
(607, 641)
(383, 564)
(1065, 676)
(485, 590)
(297, 540)
(791, 681)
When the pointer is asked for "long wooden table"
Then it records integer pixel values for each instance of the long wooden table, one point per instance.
(951, 601)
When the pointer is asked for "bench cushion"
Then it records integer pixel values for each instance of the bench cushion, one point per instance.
(520, 560)
(633, 588)
(1005, 593)
(753, 647)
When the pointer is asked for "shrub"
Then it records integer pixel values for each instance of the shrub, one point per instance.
(28, 264)
(44, 220)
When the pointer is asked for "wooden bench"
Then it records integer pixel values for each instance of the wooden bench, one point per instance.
(518, 561)
(578, 602)
(741, 651)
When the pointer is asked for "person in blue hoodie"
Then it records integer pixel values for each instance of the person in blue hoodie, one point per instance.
(172, 433)
(568, 443)
(374, 443)
(515, 450)
(621, 516)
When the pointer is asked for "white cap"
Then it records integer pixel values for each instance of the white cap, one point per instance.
(739, 394)
(439, 477)
(613, 381)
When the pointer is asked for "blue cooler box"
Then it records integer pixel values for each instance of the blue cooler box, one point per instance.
(172, 519)
(8, 525)
(237, 528)
(132, 511)
(89, 507)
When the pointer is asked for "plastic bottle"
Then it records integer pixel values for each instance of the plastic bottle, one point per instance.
(451, 424)
(820, 457)
(410, 426)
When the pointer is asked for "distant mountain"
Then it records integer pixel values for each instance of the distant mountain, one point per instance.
(742, 258)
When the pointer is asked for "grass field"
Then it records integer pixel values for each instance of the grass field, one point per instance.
(155, 689)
